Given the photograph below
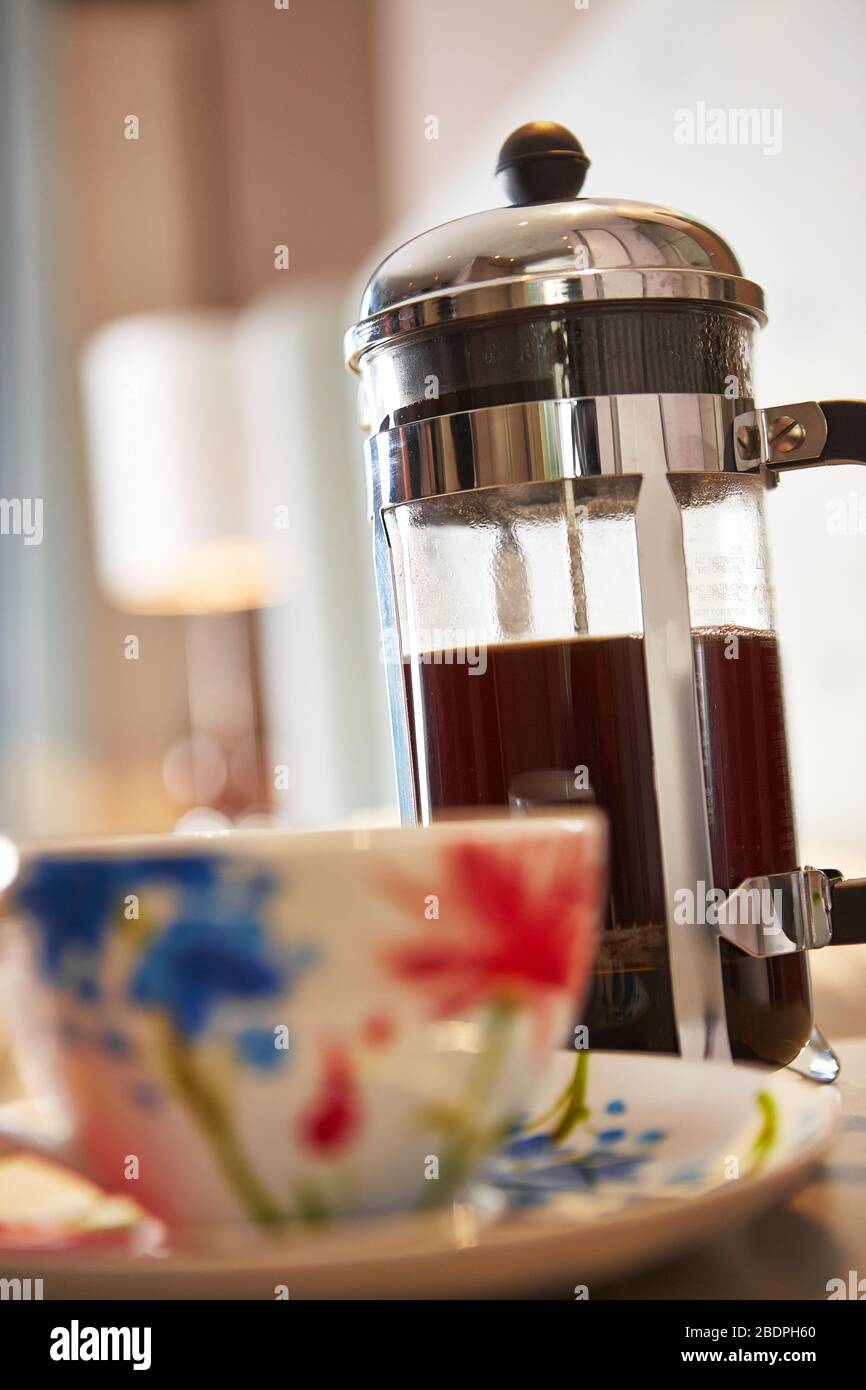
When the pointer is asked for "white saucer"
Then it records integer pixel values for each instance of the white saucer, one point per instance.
(670, 1153)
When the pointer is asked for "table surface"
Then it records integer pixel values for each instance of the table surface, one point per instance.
(791, 1252)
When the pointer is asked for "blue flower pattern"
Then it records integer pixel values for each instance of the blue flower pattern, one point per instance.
(531, 1169)
(74, 900)
(214, 950)
(258, 1048)
(195, 965)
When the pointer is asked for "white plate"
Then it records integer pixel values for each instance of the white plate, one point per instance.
(670, 1153)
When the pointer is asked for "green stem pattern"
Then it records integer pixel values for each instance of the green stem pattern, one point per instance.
(576, 1109)
(765, 1140)
(570, 1105)
(473, 1138)
(211, 1111)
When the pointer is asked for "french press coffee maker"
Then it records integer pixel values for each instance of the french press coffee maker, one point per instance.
(566, 478)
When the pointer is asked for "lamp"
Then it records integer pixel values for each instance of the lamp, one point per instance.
(180, 530)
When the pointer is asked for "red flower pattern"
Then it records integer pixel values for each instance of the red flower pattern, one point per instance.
(333, 1119)
(378, 1030)
(533, 931)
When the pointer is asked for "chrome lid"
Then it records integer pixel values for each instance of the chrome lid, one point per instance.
(540, 252)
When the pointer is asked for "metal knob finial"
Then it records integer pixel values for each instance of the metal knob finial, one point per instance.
(542, 162)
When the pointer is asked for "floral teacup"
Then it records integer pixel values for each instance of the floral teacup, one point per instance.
(272, 1026)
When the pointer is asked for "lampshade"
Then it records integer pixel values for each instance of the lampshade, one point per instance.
(178, 526)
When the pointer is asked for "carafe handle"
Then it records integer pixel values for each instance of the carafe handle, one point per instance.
(806, 435)
(847, 909)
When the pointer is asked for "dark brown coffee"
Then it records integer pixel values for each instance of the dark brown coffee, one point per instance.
(578, 710)
(552, 722)
(739, 683)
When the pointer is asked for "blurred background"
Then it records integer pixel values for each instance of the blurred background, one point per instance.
(194, 194)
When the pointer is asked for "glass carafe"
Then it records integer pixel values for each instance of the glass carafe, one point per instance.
(520, 639)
